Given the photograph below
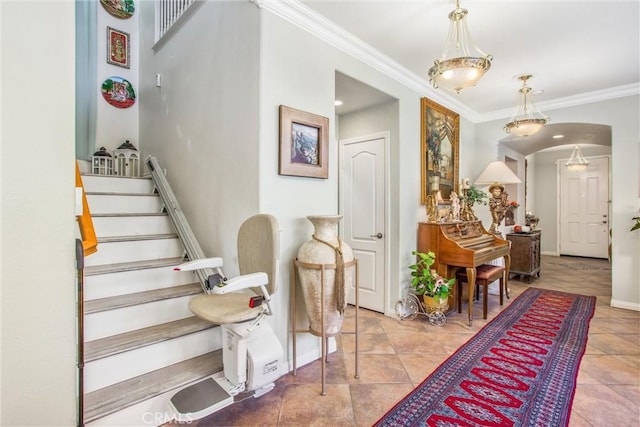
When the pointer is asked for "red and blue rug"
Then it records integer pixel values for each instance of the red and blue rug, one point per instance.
(519, 370)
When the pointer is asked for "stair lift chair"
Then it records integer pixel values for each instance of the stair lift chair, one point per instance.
(253, 358)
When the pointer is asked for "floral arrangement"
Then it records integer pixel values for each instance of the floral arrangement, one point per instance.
(531, 219)
(425, 280)
(513, 205)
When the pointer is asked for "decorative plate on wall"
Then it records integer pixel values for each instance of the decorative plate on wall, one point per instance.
(122, 9)
(118, 92)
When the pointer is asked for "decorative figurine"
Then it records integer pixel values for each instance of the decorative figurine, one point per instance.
(497, 205)
(455, 206)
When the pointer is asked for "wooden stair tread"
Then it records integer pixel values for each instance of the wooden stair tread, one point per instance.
(115, 193)
(127, 214)
(146, 177)
(105, 401)
(115, 344)
(136, 237)
(130, 266)
(136, 298)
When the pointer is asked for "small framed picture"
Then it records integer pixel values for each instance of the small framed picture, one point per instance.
(118, 48)
(304, 144)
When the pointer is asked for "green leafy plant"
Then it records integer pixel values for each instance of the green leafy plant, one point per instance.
(425, 280)
(473, 195)
(636, 226)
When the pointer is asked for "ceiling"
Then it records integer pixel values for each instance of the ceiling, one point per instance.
(577, 51)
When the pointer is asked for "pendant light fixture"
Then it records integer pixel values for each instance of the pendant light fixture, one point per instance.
(462, 64)
(577, 162)
(527, 120)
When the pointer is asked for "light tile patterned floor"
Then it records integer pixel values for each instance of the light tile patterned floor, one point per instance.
(397, 355)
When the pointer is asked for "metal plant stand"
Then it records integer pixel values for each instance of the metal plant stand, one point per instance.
(410, 307)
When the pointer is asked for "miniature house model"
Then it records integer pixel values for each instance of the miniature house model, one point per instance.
(102, 162)
(127, 160)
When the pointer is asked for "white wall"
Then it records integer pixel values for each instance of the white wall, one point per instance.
(38, 370)
(202, 123)
(228, 58)
(298, 70)
(545, 189)
(622, 115)
(115, 125)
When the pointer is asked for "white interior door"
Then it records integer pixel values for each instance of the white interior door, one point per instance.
(584, 210)
(363, 200)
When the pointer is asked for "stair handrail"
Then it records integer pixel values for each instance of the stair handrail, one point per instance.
(85, 222)
(185, 234)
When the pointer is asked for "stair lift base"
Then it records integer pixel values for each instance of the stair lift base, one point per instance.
(253, 360)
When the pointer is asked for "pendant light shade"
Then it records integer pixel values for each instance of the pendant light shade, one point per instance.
(577, 162)
(462, 64)
(527, 120)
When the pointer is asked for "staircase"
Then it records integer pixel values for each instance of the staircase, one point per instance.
(142, 344)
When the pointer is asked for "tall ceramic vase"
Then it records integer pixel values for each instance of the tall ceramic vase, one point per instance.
(321, 249)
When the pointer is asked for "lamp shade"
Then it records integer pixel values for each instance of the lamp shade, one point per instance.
(497, 172)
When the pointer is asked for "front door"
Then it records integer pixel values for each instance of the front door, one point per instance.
(362, 200)
(584, 209)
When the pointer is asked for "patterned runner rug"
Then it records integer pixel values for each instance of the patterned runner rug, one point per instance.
(519, 370)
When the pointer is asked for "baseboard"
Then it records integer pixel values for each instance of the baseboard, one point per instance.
(625, 305)
(312, 355)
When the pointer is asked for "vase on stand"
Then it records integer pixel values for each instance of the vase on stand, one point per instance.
(325, 248)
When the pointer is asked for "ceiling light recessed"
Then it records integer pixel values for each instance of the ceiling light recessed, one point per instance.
(557, 136)
(338, 103)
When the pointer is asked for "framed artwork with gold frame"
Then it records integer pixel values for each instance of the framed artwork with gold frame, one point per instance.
(439, 146)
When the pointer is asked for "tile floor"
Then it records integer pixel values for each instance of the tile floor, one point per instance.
(396, 355)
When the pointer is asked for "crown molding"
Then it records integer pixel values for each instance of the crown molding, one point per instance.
(306, 19)
(570, 101)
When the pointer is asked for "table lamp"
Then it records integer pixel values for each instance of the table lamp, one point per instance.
(495, 175)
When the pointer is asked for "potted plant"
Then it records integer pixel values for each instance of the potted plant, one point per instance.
(426, 282)
(636, 226)
(473, 195)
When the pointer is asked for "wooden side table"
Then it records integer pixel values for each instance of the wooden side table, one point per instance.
(525, 254)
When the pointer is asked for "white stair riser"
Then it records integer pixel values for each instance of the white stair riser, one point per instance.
(132, 225)
(112, 322)
(104, 372)
(138, 250)
(126, 282)
(112, 184)
(151, 412)
(117, 204)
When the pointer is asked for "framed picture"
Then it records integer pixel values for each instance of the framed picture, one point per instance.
(439, 145)
(304, 144)
(122, 9)
(118, 47)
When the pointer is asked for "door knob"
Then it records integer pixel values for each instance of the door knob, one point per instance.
(379, 235)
